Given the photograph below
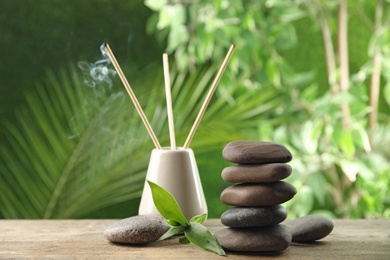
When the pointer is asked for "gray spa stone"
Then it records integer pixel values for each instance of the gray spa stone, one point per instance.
(258, 194)
(310, 228)
(264, 239)
(244, 152)
(243, 217)
(269, 172)
(137, 230)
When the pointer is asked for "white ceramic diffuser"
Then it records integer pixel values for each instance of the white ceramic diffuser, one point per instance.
(177, 172)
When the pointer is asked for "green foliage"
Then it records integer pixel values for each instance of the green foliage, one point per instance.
(73, 151)
(77, 150)
(200, 31)
(56, 163)
(333, 166)
(194, 231)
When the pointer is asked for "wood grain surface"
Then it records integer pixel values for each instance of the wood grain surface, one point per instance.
(84, 239)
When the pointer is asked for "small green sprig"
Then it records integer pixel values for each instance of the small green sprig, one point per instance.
(194, 230)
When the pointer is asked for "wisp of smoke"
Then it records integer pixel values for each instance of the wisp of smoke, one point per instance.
(98, 72)
(97, 76)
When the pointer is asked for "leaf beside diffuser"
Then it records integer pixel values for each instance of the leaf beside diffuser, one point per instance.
(194, 231)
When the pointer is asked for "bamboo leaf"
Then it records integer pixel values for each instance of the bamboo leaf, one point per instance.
(199, 235)
(172, 232)
(166, 204)
(184, 240)
(199, 218)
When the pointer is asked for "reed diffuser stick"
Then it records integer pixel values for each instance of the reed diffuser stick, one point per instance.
(132, 96)
(208, 97)
(171, 124)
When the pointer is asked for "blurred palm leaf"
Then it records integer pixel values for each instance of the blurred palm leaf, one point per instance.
(75, 150)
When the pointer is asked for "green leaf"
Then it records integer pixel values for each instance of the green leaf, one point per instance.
(199, 235)
(173, 223)
(177, 36)
(171, 16)
(350, 169)
(199, 218)
(171, 232)
(166, 204)
(184, 240)
(347, 144)
(155, 5)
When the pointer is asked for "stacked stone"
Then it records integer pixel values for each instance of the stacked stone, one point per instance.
(254, 222)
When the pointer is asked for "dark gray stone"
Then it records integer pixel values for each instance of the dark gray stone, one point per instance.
(310, 228)
(265, 239)
(243, 152)
(269, 172)
(243, 217)
(137, 230)
(258, 194)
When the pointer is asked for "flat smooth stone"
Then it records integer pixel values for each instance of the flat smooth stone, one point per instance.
(310, 228)
(256, 172)
(243, 152)
(258, 194)
(137, 230)
(243, 217)
(266, 239)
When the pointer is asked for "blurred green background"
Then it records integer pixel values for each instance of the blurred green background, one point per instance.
(312, 75)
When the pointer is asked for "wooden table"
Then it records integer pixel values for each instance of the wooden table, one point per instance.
(84, 239)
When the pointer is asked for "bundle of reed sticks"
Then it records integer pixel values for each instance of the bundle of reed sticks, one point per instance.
(169, 98)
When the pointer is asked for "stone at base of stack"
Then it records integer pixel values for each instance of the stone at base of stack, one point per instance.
(254, 224)
(258, 239)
